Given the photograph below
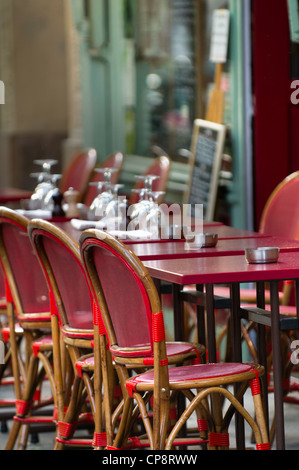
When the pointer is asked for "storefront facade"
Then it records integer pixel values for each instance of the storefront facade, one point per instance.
(146, 75)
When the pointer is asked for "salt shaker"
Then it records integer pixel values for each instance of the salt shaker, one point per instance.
(71, 197)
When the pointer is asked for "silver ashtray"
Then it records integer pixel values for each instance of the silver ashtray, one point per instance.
(201, 240)
(263, 254)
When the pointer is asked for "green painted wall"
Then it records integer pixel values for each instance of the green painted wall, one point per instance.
(100, 28)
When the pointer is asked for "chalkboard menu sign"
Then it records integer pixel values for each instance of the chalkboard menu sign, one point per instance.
(205, 165)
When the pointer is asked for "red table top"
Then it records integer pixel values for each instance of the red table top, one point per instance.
(224, 247)
(231, 241)
(223, 269)
(13, 194)
(223, 231)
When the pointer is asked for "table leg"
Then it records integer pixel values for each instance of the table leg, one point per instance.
(178, 313)
(211, 334)
(262, 348)
(216, 401)
(235, 339)
(157, 283)
(201, 329)
(277, 367)
(235, 322)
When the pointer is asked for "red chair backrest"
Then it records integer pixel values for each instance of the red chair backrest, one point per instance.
(21, 267)
(281, 213)
(115, 160)
(161, 168)
(67, 281)
(78, 172)
(129, 310)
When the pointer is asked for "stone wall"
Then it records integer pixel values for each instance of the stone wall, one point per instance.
(36, 66)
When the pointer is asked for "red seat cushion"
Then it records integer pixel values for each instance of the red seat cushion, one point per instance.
(88, 361)
(84, 363)
(6, 332)
(174, 349)
(43, 343)
(196, 372)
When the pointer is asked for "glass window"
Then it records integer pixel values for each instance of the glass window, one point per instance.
(168, 72)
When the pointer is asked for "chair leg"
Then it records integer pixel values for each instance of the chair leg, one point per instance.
(100, 438)
(14, 351)
(24, 405)
(23, 437)
(121, 435)
(67, 427)
(33, 382)
(13, 435)
(259, 410)
(203, 415)
(64, 426)
(258, 426)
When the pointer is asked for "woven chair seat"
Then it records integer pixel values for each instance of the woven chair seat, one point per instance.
(6, 331)
(173, 349)
(197, 373)
(43, 343)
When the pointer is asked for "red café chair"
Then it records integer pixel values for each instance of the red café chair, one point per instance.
(61, 262)
(7, 405)
(133, 321)
(28, 313)
(78, 171)
(280, 218)
(115, 160)
(160, 167)
(72, 320)
(5, 367)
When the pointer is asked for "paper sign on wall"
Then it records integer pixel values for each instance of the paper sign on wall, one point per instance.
(220, 33)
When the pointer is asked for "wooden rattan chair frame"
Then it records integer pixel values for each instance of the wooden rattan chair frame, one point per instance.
(190, 352)
(27, 373)
(160, 386)
(77, 342)
(185, 352)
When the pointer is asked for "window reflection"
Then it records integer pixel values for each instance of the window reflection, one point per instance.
(172, 72)
(166, 75)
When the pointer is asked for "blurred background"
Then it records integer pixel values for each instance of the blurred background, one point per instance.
(132, 75)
